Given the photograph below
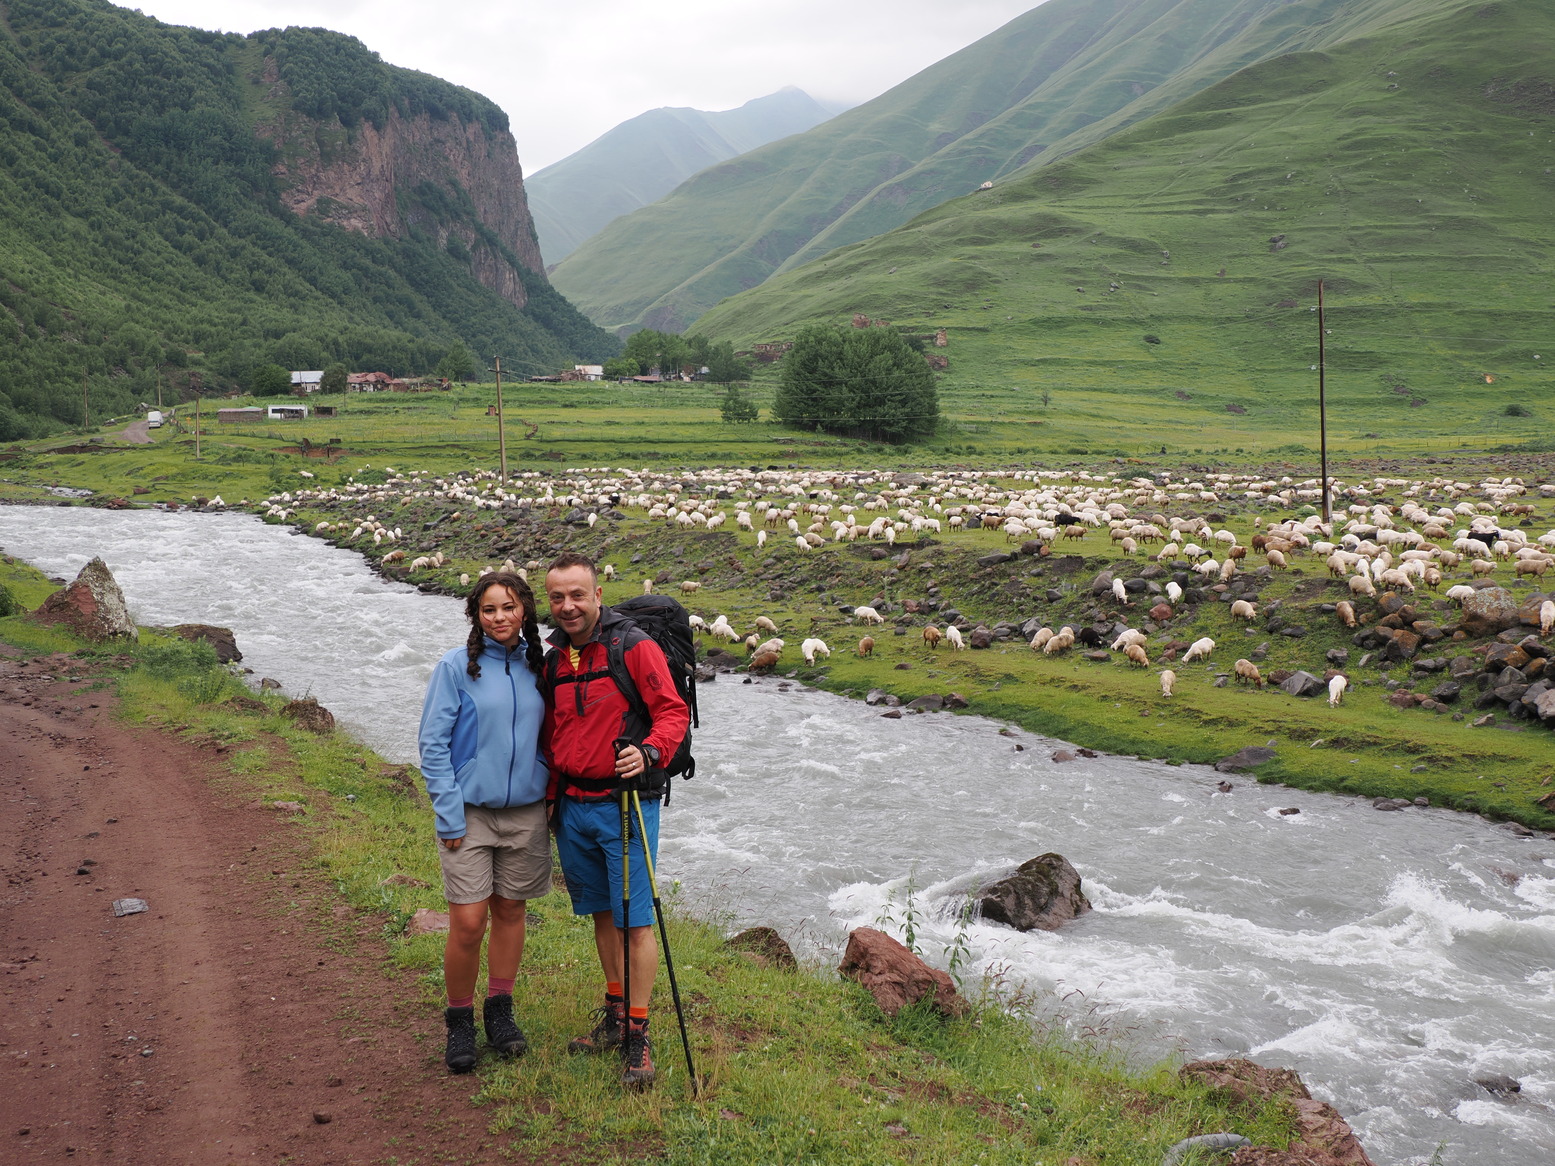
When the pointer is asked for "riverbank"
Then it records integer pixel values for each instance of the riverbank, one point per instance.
(799, 1067)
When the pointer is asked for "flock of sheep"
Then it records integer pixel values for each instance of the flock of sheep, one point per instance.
(1391, 534)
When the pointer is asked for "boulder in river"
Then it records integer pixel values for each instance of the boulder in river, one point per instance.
(1323, 1136)
(894, 976)
(1042, 895)
(92, 606)
(1244, 759)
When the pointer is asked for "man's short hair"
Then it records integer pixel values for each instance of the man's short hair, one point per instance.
(569, 559)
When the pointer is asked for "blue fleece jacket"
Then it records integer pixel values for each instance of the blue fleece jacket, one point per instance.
(479, 738)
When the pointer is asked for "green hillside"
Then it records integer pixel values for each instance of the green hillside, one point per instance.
(142, 238)
(643, 159)
(1060, 77)
(1170, 269)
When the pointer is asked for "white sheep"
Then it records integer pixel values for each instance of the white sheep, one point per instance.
(1242, 609)
(1040, 640)
(953, 634)
(1128, 636)
(1336, 688)
(774, 645)
(1546, 616)
(1136, 655)
(1198, 650)
(1168, 678)
(647, 586)
(813, 647)
(1119, 592)
(868, 615)
(766, 625)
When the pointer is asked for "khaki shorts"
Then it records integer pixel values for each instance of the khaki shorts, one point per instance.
(506, 852)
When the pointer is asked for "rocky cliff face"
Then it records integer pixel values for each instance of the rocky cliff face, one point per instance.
(445, 177)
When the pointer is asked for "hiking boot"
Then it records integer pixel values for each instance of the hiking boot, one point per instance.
(459, 1054)
(606, 1033)
(637, 1070)
(502, 1034)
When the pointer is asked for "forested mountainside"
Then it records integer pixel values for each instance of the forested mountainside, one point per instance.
(646, 157)
(1412, 169)
(184, 206)
(1058, 78)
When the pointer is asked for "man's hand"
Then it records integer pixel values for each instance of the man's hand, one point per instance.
(452, 843)
(630, 762)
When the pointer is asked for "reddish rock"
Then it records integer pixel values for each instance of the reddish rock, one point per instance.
(1161, 612)
(764, 946)
(894, 976)
(309, 714)
(1325, 1138)
(1264, 1156)
(1245, 1081)
(92, 606)
(221, 639)
(426, 921)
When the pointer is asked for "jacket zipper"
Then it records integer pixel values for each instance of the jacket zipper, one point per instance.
(507, 659)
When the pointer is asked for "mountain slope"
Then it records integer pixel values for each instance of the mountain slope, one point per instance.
(184, 206)
(643, 159)
(1412, 169)
(1056, 79)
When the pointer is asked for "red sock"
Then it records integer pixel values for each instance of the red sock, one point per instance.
(462, 1002)
(613, 992)
(496, 987)
(637, 1013)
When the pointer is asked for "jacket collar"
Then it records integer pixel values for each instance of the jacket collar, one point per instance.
(607, 618)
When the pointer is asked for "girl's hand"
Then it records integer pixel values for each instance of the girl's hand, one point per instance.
(452, 843)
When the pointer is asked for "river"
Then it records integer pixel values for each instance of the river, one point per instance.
(1390, 958)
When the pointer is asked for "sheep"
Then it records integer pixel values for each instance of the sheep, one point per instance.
(868, 615)
(1039, 640)
(763, 661)
(1535, 567)
(766, 625)
(1459, 593)
(953, 634)
(774, 645)
(698, 624)
(1061, 642)
(866, 646)
(647, 586)
(931, 636)
(1345, 610)
(752, 642)
(1168, 678)
(1242, 609)
(1119, 592)
(1546, 616)
(687, 586)
(1274, 557)
(1198, 650)
(1136, 655)
(1361, 585)
(1336, 687)
(394, 557)
(720, 629)
(812, 647)
(1128, 636)
(1173, 592)
(1247, 672)
(761, 539)
(1481, 567)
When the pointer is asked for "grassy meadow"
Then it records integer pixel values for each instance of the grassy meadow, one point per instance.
(795, 1066)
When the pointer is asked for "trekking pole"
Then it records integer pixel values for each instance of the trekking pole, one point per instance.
(669, 962)
(626, 921)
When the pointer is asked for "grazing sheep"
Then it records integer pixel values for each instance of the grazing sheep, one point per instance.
(868, 615)
(1168, 678)
(1481, 567)
(1362, 585)
(774, 645)
(687, 586)
(1275, 558)
(811, 648)
(1247, 673)
(764, 624)
(1039, 640)
(1128, 636)
(761, 539)
(1459, 593)
(1061, 642)
(608, 571)
(763, 661)
(698, 624)
(931, 636)
(866, 646)
(1173, 592)
(1136, 655)
(953, 634)
(1242, 609)
(394, 557)
(1198, 650)
(1119, 592)
(1535, 567)
(1336, 686)
(1345, 610)
(647, 586)
(1546, 616)
(752, 642)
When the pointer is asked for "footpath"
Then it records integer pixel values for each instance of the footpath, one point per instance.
(241, 1017)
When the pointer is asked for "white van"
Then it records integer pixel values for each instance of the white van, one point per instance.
(154, 419)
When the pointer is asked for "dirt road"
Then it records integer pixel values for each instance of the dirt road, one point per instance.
(137, 432)
(246, 1016)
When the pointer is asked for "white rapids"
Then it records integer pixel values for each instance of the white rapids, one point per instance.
(1390, 958)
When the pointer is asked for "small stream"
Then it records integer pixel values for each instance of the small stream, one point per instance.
(1389, 958)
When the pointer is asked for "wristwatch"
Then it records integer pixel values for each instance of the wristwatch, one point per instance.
(650, 756)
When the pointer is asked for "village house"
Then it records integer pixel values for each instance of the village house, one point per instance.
(366, 382)
(307, 382)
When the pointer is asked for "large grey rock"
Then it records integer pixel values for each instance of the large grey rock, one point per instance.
(764, 947)
(1545, 705)
(1303, 684)
(1244, 759)
(1488, 611)
(1102, 584)
(1042, 895)
(92, 606)
(931, 703)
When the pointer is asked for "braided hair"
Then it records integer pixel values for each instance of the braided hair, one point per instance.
(534, 647)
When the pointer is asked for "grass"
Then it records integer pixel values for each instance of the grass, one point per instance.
(797, 1067)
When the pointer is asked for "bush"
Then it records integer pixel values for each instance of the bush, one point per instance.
(8, 604)
(1516, 410)
(857, 382)
(737, 407)
(270, 380)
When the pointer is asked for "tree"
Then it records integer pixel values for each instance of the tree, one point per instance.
(737, 407)
(457, 363)
(722, 365)
(270, 380)
(335, 379)
(862, 382)
(664, 351)
(622, 366)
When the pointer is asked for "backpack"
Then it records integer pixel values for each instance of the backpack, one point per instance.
(667, 624)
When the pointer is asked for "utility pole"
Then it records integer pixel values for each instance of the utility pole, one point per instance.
(502, 439)
(86, 417)
(1322, 406)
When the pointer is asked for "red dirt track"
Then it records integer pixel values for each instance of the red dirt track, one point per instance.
(215, 1026)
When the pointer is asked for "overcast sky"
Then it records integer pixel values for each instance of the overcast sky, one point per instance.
(568, 70)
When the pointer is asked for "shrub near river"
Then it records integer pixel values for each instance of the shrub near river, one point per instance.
(1084, 554)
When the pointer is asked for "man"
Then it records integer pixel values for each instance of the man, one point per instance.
(586, 714)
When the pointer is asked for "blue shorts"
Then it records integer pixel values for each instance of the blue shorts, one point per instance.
(588, 842)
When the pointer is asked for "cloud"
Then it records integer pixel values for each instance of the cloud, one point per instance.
(567, 73)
